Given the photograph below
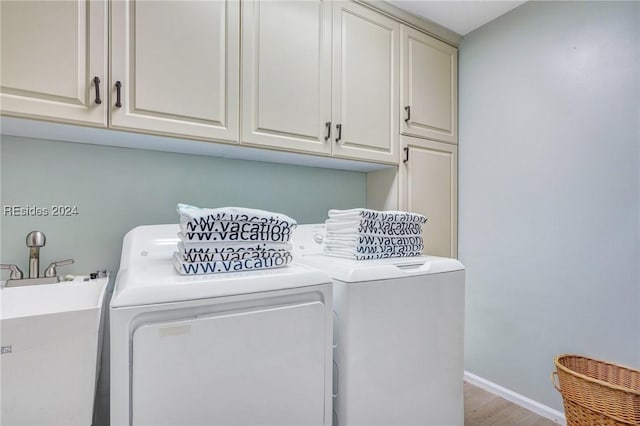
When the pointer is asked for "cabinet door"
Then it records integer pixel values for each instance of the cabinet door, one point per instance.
(429, 185)
(177, 63)
(429, 87)
(245, 367)
(51, 53)
(286, 76)
(366, 83)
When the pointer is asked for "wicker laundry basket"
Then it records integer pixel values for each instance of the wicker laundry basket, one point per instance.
(597, 393)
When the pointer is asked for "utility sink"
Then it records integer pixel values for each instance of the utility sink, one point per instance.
(50, 340)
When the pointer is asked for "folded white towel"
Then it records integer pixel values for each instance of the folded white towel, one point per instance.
(370, 234)
(385, 216)
(217, 237)
(373, 252)
(208, 252)
(215, 267)
(365, 249)
(229, 226)
(376, 227)
(203, 219)
(362, 256)
(370, 240)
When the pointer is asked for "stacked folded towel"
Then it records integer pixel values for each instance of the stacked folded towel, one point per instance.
(231, 239)
(370, 234)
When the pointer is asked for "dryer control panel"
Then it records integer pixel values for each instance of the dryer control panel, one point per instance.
(308, 239)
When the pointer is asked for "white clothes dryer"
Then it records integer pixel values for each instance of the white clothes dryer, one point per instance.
(235, 349)
(398, 336)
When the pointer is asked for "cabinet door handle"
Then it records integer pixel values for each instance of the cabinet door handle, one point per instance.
(408, 109)
(406, 155)
(96, 83)
(339, 131)
(118, 100)
(327, 135)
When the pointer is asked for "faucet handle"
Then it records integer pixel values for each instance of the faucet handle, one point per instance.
(16, 273)
(51, 269)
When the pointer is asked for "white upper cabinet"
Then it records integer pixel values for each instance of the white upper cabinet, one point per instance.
(429, 106)
(286, 74)
(365, 83)
(54, 60)
(429, 186)
(321, 76)
(334, 78)
(175, 67)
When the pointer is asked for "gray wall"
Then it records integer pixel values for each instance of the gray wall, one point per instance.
(116, 189)
(549, 190)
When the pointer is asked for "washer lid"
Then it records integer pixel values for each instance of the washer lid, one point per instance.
(147, 275)
(353, 271)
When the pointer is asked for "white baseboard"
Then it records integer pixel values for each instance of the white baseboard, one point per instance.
(521, 400)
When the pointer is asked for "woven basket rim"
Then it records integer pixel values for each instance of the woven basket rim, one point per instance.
(591, 379)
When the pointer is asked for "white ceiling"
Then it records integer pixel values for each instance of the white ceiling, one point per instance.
(461, 17)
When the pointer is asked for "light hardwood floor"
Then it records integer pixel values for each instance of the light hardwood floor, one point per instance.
(482, 408)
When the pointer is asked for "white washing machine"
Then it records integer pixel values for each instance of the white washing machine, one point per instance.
(236, 349)
(398, 336)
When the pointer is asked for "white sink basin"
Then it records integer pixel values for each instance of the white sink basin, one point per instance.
(45, 299)
(50, 336)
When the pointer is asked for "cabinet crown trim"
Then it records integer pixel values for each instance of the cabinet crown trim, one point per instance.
(421, 24)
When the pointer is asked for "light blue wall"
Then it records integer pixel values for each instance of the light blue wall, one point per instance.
(116, 189)
(549, 190)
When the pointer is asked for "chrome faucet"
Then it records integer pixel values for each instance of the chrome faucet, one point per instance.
(35, 240)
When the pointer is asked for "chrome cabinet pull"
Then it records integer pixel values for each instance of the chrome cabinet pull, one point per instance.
(408, 109)
(339, 131)
(327, 135)
(336, 375)
(118, 100)
(96, 82)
